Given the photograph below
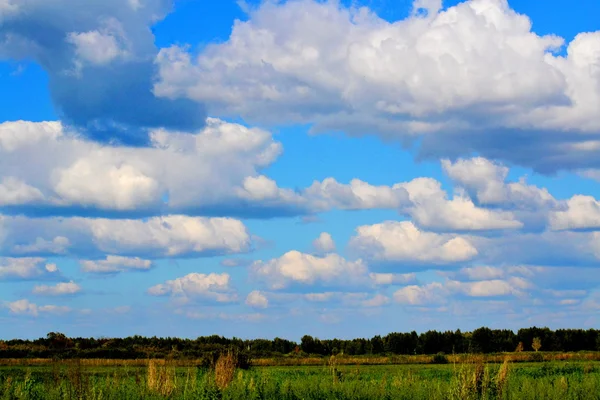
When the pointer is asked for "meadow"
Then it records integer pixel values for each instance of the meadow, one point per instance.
(473, 378)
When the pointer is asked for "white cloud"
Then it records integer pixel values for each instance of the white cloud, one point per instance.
(393, 241)
(25, 307)
(348, 69)
(489, 288)
(324, 243)
(58, 245)
(299, 268)
(432, 210)
(486, 180)
(376, 301)
(215, 171)
(16, 192)
(60, 289)
(212, 287)
(185, 171)
(356, 195)
(583, 212)
(168, 236)
(114, 264)
(257, 299)
(392, 279)
(26, 268)
(171, 236)
(432, 293)
(97, 47)
(319, 297)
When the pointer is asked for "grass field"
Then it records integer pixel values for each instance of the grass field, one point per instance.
(161, 380)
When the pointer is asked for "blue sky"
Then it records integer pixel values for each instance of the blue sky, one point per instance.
(262, 169)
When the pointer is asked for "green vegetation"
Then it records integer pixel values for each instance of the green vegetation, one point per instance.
(534, 363)
(482, 340)
(160, 379)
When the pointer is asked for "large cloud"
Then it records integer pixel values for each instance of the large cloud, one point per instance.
(168, 236)
(464, 78)
(213, 172)
(99, 59)
(403, 242)
(179, 172)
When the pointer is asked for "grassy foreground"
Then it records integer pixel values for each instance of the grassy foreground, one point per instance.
(161, 380)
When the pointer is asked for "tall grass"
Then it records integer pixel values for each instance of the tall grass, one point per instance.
(163, 379)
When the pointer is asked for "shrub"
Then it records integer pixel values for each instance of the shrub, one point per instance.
(439, 358)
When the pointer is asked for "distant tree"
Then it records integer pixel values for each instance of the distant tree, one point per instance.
(536, 344)
(377, 346)
(519, 347)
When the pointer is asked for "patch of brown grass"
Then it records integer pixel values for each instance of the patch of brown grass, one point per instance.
(225, 369)
(161, 377)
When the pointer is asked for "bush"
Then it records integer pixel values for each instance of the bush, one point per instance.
(536, 357)
(439, 358)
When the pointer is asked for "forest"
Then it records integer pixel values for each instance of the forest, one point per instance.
(481, 340)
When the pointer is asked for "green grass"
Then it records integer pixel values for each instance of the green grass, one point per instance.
(552, 380)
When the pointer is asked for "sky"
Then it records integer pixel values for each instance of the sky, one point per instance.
(280, 168)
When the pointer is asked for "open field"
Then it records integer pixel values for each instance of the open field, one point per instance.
(76, 379)
(290, 360)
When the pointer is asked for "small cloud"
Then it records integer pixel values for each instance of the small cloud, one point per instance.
(60, 289)
(235, 262)
(25, 307)
(58, 245)
(27, 268)
(212, 287)
(257, 299)
(324, 243)
(115, 264)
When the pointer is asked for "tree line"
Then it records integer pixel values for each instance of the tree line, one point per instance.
(482, 340)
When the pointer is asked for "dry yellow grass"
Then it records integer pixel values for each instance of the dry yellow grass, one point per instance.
(161, 377)
(225, 369)
(320, 361)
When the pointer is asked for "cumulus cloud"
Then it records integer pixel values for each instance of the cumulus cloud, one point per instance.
(324, 243)
(58, 245)
(168, 236)
(215, 171)
(25, 307)
(485, 180)
(115, 264)
(27, 268)
(212, 288)
(414, 295)
(16, 192)
(60, 289)
(489, 288)
(295, 268)
(395, 242)
(346, 69)
(385, 279)
(442, 292)
(257, 299)
(355, 196)
(431, 209)
(100, 63)
(582, 212)
(179, 171)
